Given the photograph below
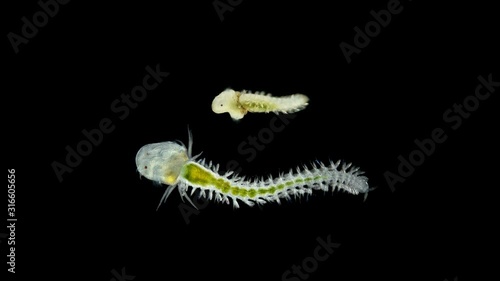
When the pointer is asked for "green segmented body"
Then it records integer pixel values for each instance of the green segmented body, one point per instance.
(201, 177)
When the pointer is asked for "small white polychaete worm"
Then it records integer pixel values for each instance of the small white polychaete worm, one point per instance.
(237, 104)
(171, 163)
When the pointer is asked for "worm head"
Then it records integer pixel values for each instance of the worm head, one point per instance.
(228, 101)
(162, 162)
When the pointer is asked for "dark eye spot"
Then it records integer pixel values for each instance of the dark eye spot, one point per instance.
(145, 167)
(221, 104)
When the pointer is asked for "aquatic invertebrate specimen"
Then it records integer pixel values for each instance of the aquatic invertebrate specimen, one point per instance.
(171, 163)
(238, 104)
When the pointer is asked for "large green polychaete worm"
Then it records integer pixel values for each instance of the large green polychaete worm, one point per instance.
(171, 163)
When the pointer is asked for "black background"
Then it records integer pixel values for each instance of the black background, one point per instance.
(102, 217)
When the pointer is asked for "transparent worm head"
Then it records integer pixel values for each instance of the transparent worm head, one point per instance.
(162, 162)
